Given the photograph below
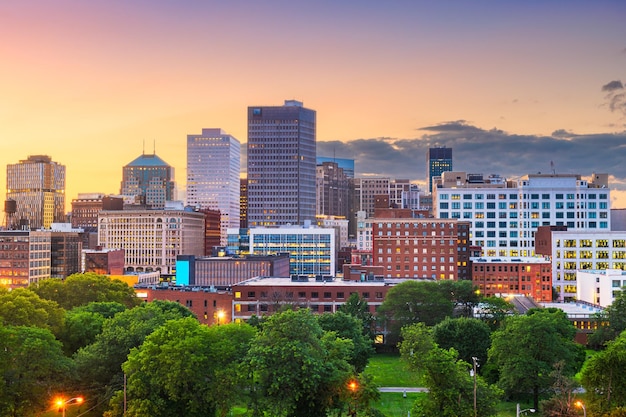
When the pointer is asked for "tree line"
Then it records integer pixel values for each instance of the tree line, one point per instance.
(88, 335)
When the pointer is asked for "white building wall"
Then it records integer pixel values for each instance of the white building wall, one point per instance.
(600, 287)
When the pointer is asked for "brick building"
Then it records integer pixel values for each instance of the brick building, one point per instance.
(531, 277)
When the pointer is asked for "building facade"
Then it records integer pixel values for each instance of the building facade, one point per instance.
(281, 164)
(311, 249)
(506, 214)
(151, 179)
(421, 248)
(213, 169)
(600, 287)
(531, 277)
(152, 239)
(66, 244)
(333, 190)
(24, 257)
(243, 203)
(439, 161)
(224, 272)
(574, 251)
(35, 193)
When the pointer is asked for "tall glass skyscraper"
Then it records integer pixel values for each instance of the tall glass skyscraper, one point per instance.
(35, 193)
(213, 170)
(439, 161)
(281, 164)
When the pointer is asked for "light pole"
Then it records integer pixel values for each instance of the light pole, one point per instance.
(581, 405)
(475, 362)
(353, 386)
(519, 412)
(62, 404)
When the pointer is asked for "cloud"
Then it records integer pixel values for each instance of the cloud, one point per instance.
(483, 151)
(616, 96)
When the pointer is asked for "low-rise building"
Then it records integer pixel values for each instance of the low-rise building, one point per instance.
(600, 287)
(531, 277)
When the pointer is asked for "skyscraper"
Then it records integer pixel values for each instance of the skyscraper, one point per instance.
(439, 161)
(281, 164)
(213, 168)
(37, 186)
(150, 178)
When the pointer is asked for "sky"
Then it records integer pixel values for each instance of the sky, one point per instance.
(514, 87)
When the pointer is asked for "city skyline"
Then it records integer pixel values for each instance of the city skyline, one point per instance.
(512, 88)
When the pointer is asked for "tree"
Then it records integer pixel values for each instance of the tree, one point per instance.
(99, 365)
(611, 322)
(349, 327)
(296, 368)
(412, 302)
(604, 376)
(184, 369)
(358, 307)
(81, 289)
(526, 347)
(493, 311)
(470, 338)
(562, 401)
(450, 386)
(22, 307)
(32, 365)
(84, 323)
(463, 294)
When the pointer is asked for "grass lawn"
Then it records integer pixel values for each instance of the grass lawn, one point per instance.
(389, 371)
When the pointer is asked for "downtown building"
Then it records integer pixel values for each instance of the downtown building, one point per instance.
(35, 193)
(152, 239)
(281, 165)
(150, 179)
(505, 214)
(25, 257)
(439, 161)
(213, 170)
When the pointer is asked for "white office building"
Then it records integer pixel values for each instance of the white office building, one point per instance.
(505, 214)
(213, 170)
(600, 287)
(576, 251)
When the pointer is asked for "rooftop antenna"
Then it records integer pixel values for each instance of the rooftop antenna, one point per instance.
(143, 149)
(154, 147)
(552, 168)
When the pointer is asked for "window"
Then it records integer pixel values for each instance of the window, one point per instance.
(340, 294)
(251, 294)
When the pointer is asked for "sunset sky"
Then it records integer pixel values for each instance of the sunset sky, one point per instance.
(510, 85)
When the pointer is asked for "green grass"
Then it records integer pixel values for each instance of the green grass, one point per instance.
(393, 404)
(389, 371)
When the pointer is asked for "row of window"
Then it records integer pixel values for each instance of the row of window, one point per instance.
(501, 196)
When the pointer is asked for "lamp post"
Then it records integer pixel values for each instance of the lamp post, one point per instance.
(353, 386)
(475, 362)
(62, 403)
(519, 412)
(581, 405)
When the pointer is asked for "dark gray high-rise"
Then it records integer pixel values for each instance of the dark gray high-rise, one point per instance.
(439, 161)
(281, 164)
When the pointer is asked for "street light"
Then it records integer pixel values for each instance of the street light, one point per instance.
(475, 362)
(62, 403)
(519, 412)
(353, 386)
(581, 405)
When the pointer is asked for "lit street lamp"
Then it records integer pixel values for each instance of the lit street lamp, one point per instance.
(353, 386)
(519, 412)
(62, 403)
(581, 405)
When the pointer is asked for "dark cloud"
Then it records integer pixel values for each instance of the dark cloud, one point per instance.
(485, 151)
(616, 96)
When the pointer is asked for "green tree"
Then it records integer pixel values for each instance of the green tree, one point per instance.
(450, 385)
(526, 347)
(32, 368)
(349, 327)
(296, 368)
(562, 400)
(81, 289)
(464, 295)
(604, 376)
(185, 369)
(470, 337)
(22, 307)
(99, 365)
(611, 322)
(493, 311)
(412, 302)
(84, 323)
(358, 307)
